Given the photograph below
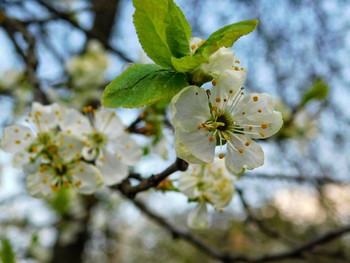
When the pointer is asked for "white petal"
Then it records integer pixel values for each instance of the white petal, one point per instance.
(198, 218)
(38, 185)
(112, 169)
(188, 184)
(250, 104)
(70, 148)
(231, 79)
(196, 143)
(86, 178)
(189, 108)
(22, 158)
(45, 117)
(75, 123)
(127, 150)
(16, 138)
(107, 122)
(220, 60)
(243, 157)
(255, 113)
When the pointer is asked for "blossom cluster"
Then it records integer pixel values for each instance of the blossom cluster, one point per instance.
(206, 184)
(223, 116)
(216, 129)
(60, 147)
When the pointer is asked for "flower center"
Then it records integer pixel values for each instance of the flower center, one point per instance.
(226, 120)
(97, 139)
(60, 169)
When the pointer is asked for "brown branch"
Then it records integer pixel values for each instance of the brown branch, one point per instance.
(187, 236)
(152, 181)
(89, 33)
(306, 247)
(295, 178)
(30, 57)
(260, 224)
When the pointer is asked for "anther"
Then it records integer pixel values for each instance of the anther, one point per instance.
(240, 150)
(217, 100)
(214, 83)
(237, 61)
(264, 125)
(262, 134)
(259, 110)
(255, 98)
(250, 128)
(247, 144)
(211, 139)
(221, 155)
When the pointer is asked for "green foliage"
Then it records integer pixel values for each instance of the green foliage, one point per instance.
(187, 63)
(162, 29)
(141, 85)
(318, 91)
(60, 201)
(224, 37)
(178, 31)
(6, 254)
(164, 34)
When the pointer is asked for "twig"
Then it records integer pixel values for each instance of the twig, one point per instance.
(152, 181)
(190, 238)
(30, 56)
(260, 224)
(306, 247)
(89, 34)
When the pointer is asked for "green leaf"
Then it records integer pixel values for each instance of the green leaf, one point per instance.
(162, 29)
(149, 19)
(6, 254)
(178, 31)
(226, 36)
(143, 84)
(187, 63)
(318, 91)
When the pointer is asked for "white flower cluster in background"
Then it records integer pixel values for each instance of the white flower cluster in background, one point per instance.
(88, 70)
(206, 184)
(61, 147)
(223, 116)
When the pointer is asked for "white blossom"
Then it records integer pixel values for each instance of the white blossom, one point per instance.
(206, 184)
(223, 116)
(105, 141)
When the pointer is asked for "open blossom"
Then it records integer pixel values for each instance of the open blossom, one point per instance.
(49, 158)
(88, 70)
(62, 167)
(29, 141)
(223, 117)
(206, 184)
(105, 141)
